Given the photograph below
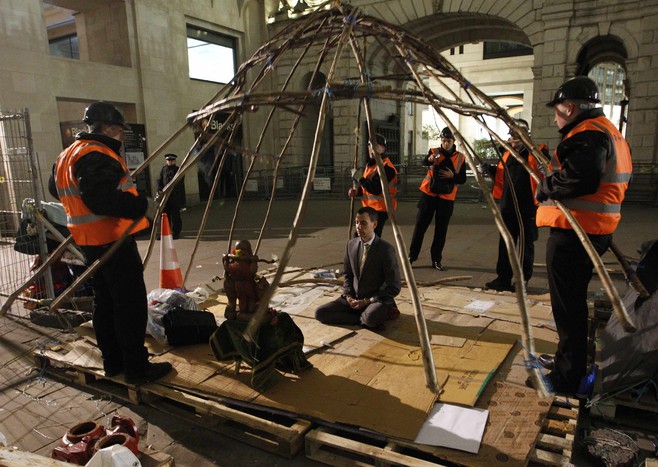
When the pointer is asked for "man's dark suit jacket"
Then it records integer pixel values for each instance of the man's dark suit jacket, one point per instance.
(380, 277)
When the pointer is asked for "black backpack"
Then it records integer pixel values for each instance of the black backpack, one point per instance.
(187, 327)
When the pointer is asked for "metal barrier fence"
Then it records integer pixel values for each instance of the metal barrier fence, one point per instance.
(18, 181)
(333, 182)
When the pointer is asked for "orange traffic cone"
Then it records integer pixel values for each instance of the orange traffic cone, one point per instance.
(170, 273)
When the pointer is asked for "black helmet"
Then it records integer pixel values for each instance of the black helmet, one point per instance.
(579, 87)
(380, 139)
(105, 113)
(446, 133)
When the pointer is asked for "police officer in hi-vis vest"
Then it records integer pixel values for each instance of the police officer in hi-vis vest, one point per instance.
(370, 185)
(591, 170)
(93, 183)
(446, 170)
(514, 191)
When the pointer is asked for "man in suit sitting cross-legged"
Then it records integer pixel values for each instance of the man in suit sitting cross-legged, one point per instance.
(372, 279)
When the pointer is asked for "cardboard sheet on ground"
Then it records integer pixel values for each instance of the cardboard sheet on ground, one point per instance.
(365, 379)
(371, 391)
(469, 351)
(80, 354)
(86, 331)
(192, 364)
(504, 307)
(516, 414)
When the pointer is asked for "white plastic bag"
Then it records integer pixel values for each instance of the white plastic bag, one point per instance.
(160, 302)
(114, 456)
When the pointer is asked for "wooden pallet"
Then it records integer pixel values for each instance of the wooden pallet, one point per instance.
(346, 448)
(276, 433)
(341, 448)
(624, 409)
(554, 445)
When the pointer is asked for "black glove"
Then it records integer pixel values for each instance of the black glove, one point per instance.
(540, 195)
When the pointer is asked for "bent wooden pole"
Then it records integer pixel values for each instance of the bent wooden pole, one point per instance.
(617, 304)
(263, 304)
(629, 272)
(611, 291)
(355, 162)
(528, 342)
(92, 268)
(431, 380)
(57, 234)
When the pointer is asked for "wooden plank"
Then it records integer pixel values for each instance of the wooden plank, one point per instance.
(337, 449)
(96, 381)
(554, 442)
(642, 414)
(149, 457)
(559, 427)
(562, 413)
(12, 457)
(548, 458)
(554, 445)
(257, 430)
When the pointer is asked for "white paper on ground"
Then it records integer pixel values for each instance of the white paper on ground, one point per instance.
(455, 427)
(480, 305)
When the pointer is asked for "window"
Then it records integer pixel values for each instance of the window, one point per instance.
(212, 56)
(66, 46)
(609, 77)
(504, 49)
(461, 50)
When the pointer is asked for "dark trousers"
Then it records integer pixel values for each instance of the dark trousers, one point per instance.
(529, 224)
(441, 210)
(176, 223)
(120, 308)
(569, 272)
(340, 312)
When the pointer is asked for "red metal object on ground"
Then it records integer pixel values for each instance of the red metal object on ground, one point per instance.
(82, 441)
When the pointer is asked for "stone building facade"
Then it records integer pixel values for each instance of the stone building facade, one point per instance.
(133, 53)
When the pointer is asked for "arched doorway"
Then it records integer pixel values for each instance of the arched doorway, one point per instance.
(604, 60)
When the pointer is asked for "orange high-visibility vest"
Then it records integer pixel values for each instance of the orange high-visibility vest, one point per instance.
(600, 212)
(497, 190)
(86, 227)
(377, 201)
(458, 160)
